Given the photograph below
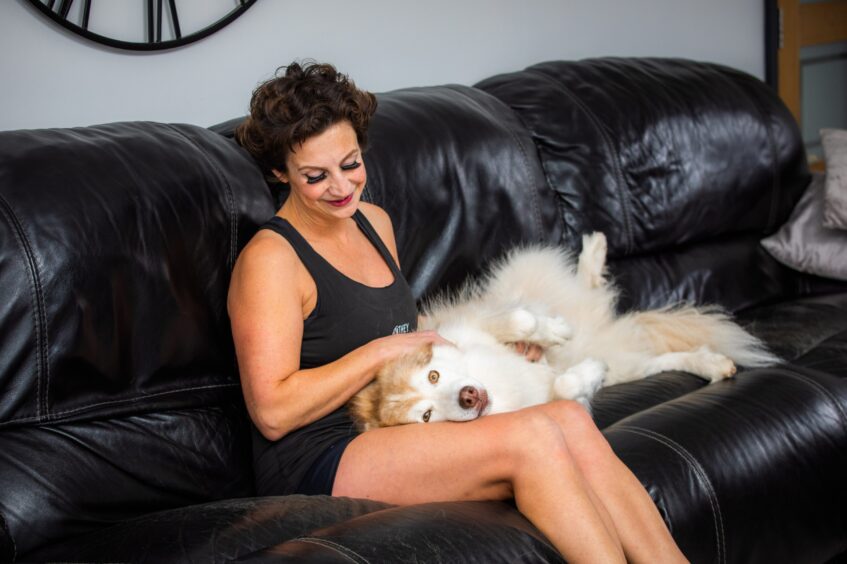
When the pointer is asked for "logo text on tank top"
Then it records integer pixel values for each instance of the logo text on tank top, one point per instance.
(404, 328)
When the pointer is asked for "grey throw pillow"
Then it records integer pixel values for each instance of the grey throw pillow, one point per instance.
(835, 195)
(804, 244)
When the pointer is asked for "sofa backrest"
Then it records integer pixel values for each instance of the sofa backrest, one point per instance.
(658, 153)
(683, 165)
(119, 392)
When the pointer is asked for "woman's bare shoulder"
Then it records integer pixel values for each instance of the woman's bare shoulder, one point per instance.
(267, 261)
(266, 250)
(375, 214)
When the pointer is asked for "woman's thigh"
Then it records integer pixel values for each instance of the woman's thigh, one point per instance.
(421, 463)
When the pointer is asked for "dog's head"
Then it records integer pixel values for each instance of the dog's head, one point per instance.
(429, 385)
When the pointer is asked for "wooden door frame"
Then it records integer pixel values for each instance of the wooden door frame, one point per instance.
(790, 26)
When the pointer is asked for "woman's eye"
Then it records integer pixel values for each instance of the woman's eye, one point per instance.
(433, 376)
(427, 414)
(315, 179)
(351, 166)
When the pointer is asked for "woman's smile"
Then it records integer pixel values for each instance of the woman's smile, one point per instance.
(342, 202)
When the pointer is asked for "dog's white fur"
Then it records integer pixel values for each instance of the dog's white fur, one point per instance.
(538, 295)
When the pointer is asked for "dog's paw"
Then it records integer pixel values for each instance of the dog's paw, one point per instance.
(592, 259)
(522, 324)
(552, 331)
(715, 366)
(581, 380)
(592, 372)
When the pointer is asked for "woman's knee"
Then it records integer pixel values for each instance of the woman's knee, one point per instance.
(571, 416)
(535, 434)
(581, 433)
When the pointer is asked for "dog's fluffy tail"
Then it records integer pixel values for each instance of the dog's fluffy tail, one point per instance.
(685, 328)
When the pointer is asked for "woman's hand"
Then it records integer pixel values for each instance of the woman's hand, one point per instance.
(393, 346)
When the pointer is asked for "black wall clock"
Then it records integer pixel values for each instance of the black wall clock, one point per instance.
(147, 25)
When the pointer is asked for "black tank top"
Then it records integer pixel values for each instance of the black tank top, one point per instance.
(348, 314)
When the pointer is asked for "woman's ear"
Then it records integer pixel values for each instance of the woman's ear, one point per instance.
(281, 176)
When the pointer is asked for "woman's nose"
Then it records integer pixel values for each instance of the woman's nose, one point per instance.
(339, 182)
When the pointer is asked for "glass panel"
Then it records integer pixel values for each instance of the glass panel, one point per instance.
(823, 84)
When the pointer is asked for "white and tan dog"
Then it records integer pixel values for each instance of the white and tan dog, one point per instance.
(539, 296)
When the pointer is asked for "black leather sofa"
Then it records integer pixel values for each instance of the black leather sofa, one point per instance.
(122, 431)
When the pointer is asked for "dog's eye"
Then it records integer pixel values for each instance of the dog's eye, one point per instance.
(434, 376)
(427, 414)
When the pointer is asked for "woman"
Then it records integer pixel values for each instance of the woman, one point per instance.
(318, 304)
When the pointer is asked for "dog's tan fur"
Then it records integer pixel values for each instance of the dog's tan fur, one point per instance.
(369, 405)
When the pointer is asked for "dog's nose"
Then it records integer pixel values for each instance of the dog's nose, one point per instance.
(468, 397)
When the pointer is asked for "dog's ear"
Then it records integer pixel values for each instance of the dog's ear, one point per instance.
(424, 355)
(364, 407)
(402, 365)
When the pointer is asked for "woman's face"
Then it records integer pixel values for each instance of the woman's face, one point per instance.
(326, 172)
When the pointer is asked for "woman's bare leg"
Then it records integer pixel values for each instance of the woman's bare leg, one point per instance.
(642, 531)
(523, 455)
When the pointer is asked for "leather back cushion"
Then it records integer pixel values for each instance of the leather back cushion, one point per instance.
(659, 152)
(117, 375)
(683, 165)
(458, 174)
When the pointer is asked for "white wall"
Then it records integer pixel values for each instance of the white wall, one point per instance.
(52, 79)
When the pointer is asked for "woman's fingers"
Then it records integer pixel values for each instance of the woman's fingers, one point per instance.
(436, 339)
(393, 346)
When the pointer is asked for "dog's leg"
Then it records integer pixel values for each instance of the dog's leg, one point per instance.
(519, 324)
(551, 330)
(702, 362)
(592, 260)
(581, 381)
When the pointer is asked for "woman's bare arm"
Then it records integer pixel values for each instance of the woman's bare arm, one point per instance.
(265, 306)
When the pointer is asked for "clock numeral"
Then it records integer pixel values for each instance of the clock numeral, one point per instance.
(154, 31)
(65, 8)
(149, 21)
(152, 26)
(175, 19)
(86, 11)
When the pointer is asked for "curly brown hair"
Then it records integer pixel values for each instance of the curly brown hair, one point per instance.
(292, 107)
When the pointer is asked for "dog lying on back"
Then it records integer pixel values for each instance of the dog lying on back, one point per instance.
(539, 296)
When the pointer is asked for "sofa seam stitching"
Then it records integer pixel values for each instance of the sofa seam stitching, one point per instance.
(230, 198)
(548, 183)
(774, 156)
(145, 396)
(350, 554)
(38, 313)
(536, 209)
(818, 386)
(616, 165)
(701, 475)
(131, 400)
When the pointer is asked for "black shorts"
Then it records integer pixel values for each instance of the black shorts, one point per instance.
(305, 460)
(321, 476)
